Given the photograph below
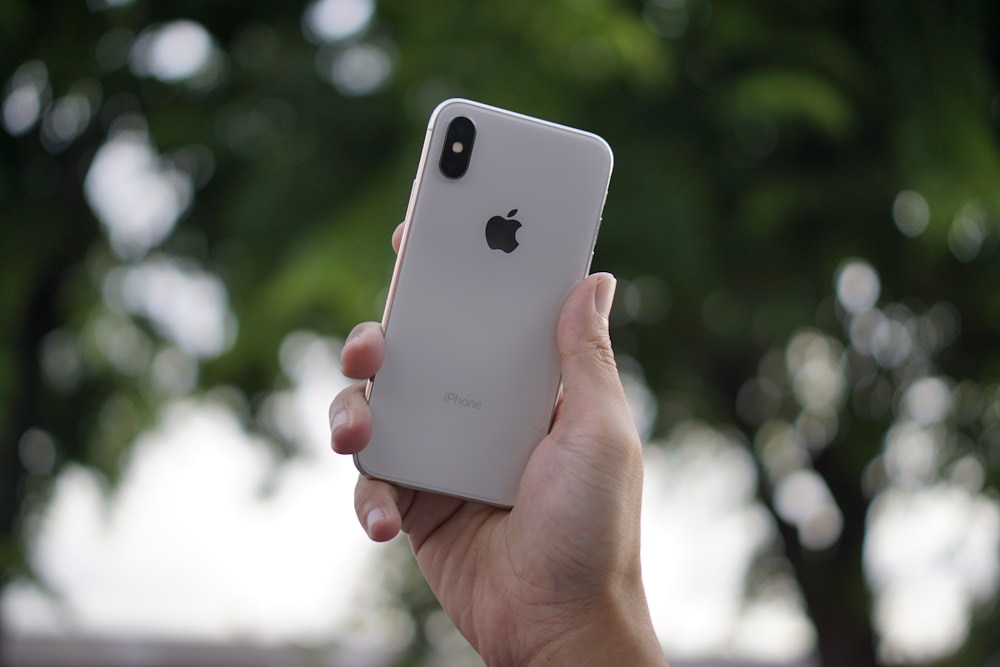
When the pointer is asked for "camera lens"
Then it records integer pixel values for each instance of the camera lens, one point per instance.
(457, 148)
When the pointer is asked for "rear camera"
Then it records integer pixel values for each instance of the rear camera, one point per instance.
(457, 147)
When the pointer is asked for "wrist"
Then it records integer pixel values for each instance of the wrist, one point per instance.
(614, 631)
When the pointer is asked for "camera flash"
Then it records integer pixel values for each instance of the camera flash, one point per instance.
(457, 147)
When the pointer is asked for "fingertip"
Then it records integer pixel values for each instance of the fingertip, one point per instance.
(604, 294)
(352, 437)
(586, 309)
(339, 418)
(363, 351)
(397, 237)
(375, 503)
(380, 526)
(350, 421)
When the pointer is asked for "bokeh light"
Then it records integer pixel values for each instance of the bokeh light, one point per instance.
(176, 52)
(104, 5)
(912, 454)
(187, 305)
(136, 195)
(858, 285)
(332, 20)
(930, 555)
(911, 213)
(123, 345)
(927, 400)
(25, 96)
(667, 18)
(175, 372)
(967, 232)
(803, 500)
(70, 115)
(699, 492)
(61, 360)
(37, 452)
(781, 448)
(815, 367)
(357, 70)
(113, 48)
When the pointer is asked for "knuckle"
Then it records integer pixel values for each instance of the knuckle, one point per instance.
(595, 346)
(363, 496)
(600, 346)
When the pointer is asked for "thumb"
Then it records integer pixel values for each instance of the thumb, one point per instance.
(592, 390)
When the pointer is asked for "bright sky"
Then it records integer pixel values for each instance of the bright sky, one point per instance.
(207, 536)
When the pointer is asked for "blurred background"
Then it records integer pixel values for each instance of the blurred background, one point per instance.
(197, 199)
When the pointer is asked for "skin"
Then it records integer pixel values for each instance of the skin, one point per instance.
(556, 580)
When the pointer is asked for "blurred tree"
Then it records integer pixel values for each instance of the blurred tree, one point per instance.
(268, 149)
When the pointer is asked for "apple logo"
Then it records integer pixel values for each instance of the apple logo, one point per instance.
(500, 232)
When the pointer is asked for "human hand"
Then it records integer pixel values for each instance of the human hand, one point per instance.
(556, 579)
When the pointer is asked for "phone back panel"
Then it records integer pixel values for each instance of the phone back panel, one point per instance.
(471, 369)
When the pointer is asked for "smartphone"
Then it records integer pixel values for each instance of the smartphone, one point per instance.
(501, 225)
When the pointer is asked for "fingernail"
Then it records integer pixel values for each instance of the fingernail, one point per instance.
(374, 516)
(339, 420)
(352, 336)
(604, 295)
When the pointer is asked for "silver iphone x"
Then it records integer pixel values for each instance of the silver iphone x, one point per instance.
(501, 225)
